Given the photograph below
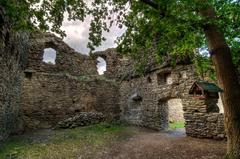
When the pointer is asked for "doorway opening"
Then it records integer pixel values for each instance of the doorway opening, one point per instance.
(175, 114)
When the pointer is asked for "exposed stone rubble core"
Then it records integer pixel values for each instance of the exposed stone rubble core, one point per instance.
(49, 98)
(201, 121)
(70, 89)
(153, 111)
(67, 60)
(81, 119)
(52, 93)
(160, 85)
(118, 66)
(13, 50)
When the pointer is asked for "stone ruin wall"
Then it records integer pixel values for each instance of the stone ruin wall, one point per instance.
(200, 122)
(52, 93)
(117, 66)
(156, 106)
(49, 98)
(68, 61)
(154, 110)
(13, 46)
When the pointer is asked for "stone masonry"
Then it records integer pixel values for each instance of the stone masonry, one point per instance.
(70, 89)
(53, 93)
(49, 98)
(153, 111)
(201, 121)
(67, 60)
(13, 50)
(156, 89)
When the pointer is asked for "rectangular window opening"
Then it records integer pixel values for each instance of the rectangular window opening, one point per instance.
(164, 78)
(28, 75)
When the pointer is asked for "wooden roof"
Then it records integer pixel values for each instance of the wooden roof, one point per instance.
(206, 86)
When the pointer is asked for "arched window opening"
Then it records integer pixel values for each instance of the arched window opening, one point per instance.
(101, 66)
(49, 56)
(28, 75)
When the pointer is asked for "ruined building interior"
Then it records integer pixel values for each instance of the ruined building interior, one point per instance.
(50, 93)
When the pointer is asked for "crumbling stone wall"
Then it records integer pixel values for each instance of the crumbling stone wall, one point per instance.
(53, 93)
(145, 100)
(201, 121)
(49, 98)
(152, 111)
(67, 59)
(13, 50)
(118, 66)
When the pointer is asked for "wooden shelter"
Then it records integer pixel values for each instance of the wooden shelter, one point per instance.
(204, 89)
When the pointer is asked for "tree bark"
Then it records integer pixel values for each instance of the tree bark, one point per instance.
(227, 79)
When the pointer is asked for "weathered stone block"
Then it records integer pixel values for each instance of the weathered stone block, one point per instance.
(81, 119)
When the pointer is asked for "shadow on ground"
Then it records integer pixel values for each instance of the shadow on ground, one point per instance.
(106, 141)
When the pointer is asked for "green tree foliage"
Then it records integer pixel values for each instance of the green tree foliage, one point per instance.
(173, 28)
(204, 66)
(166, 28)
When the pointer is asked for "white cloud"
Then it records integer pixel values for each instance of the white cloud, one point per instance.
(77, 35)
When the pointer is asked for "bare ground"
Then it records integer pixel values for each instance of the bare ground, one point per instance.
(130, 143)
(168, 145)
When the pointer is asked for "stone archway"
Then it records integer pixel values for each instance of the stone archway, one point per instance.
(170, 111)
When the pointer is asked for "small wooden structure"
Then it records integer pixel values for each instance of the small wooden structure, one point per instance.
(204, 89)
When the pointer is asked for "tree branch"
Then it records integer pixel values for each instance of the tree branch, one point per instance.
(154, 6)
(151, 3)
(163, 14)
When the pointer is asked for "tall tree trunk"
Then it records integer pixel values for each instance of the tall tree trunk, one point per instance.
(228, 80)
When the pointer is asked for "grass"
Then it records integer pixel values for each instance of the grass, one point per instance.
(62, 144)
(176, 125)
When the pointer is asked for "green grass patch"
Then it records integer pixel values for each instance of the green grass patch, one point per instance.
(176, 125)
(63, 144)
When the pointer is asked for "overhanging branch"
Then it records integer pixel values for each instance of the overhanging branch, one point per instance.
(163, 14)
(154, 6)
(151, 3)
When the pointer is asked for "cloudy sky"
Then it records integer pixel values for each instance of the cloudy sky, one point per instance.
(77, 38)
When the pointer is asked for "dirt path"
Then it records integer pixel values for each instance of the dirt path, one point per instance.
(169, 145)
(110, 142)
